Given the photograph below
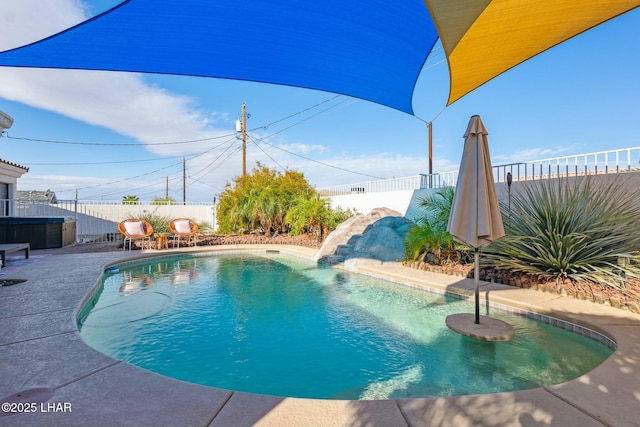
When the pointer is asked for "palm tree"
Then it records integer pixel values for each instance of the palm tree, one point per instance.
(130, 200)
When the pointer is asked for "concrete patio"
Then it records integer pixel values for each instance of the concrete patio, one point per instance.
(40, 348)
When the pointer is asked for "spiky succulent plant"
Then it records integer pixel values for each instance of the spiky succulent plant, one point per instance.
(575, 228)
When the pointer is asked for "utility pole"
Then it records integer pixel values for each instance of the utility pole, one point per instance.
(244, 140)
(184, 182)
(166, 188)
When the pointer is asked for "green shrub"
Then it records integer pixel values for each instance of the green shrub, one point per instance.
(159, 223)
(205, 227)
(429, 237)
(268, 202)
(570, 229)
(306, 215)
(313, 215)
(163, 201)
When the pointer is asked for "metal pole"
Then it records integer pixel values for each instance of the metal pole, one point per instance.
(75, 209)
(184, 182)
(476, 282)
(476, 254)
(509, 181)
(244, 139)
(430, 127)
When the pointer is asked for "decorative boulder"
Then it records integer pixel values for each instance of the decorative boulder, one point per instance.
(373, 238)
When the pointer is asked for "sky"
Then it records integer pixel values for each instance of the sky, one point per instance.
(103, 135)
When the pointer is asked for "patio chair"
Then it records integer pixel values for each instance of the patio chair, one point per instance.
(184, 228)
(135, 229)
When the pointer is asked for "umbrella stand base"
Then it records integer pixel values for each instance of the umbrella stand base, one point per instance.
(489, 329)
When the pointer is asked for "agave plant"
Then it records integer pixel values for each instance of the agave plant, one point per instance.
(570, 229)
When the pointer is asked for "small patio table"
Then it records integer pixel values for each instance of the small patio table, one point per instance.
(161, 240)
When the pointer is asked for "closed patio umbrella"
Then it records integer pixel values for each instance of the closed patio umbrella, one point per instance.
(475, 214)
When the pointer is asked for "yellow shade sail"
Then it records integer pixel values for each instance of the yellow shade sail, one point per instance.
(369, 49)
(484, 38)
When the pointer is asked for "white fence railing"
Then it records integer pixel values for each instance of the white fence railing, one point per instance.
(415, 182)
(98, 220)
(602, 162)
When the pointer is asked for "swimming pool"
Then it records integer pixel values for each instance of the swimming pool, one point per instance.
(271, 324)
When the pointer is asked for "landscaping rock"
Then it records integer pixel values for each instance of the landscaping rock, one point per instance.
(373, 238)
(633, 307)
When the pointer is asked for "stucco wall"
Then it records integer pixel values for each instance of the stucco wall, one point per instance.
(407, 202)
(366, 202)
(629, 180)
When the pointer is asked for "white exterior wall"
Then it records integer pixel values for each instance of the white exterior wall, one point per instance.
(366, 202)
(96, 220)
(9, 174)
(117, 213)
(406, 201)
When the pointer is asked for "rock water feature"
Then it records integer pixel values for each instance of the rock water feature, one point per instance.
(373, 238)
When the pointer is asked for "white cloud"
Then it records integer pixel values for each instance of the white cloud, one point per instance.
(531, 154)
(352, 169)
(122, 102)
(208, 173)
(127, 104)
(63, 184)
(304, 149)
(27, 21)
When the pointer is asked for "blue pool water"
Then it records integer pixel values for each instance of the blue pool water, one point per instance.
(270, 324)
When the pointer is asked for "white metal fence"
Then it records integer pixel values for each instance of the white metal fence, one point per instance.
(98, 220)
(602, 162)
(416, 182)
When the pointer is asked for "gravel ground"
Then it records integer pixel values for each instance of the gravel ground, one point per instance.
(204, 240)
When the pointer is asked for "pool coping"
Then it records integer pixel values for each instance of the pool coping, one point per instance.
(41, 348)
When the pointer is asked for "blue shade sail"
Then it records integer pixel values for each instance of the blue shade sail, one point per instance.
(373, 50)
(368, 49)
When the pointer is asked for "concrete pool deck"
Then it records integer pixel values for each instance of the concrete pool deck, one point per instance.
(40, 347)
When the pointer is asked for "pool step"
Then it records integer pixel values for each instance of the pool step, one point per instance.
(344, 250)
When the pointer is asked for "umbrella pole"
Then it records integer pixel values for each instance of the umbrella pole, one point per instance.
(476, 282)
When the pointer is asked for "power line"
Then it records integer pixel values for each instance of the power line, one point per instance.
(113, 144)
(314, 115)
(127, 179)
(319, 162)
(267, 154)
(211, 163)
(215, 187)
(297, 113)
(126, 144)
(103, 163)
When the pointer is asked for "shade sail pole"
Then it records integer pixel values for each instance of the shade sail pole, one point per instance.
(430, 128)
